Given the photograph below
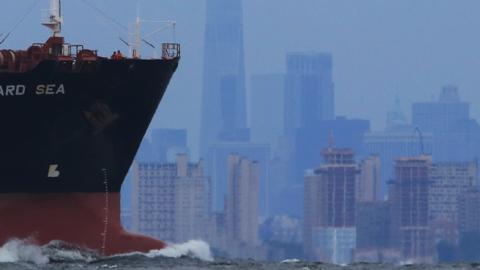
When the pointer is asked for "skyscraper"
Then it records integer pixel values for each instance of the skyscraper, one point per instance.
(368, 187)
(223, 97)
(410, 203)
(309, 91)
(266, 108)
(469, 212)
(329, 233)
(449, 182)
(442, 115)
(455, 134)
(309, 101)
(167, 143)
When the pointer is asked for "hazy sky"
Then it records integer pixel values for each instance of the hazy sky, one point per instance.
(380, 47)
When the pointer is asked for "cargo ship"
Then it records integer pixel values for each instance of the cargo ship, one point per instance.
(72, 122)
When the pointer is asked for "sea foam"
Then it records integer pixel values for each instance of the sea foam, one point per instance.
(22, 251)
(194, 248)
(17, 250)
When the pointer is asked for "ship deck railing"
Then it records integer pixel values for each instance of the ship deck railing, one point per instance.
(67, 50)
(171, 50)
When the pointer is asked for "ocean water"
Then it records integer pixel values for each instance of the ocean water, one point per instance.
(192, 255)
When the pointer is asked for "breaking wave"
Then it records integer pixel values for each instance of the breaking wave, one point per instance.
(194, 248)
(17, 250)
(23, 254)
(21, 251)
(290, 261)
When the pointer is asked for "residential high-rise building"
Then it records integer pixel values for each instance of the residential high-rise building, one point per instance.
(368, 186)
(410, 204)
(329, 232)
(191, 200)
(456, 136)
(394, 144)
(469, 212)
(170, 200)
(267, 108)
(158, 146)
(218, 158)
(242, 206)
(449, 182)
(224, 95)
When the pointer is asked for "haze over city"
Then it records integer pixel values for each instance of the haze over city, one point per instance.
(380, 48)
(337, 131)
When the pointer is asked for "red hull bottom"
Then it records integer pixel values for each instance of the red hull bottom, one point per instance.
(89, 220)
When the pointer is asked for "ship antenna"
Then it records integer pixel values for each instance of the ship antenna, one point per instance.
(53, 17)
(137, 35)
(60, 13)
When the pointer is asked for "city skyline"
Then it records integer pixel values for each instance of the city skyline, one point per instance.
(390, 171)
(363, 38)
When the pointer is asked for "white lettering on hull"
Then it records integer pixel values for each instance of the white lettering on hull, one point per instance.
(40, 90)
(50, 89)
(53, 171)
(12, 90)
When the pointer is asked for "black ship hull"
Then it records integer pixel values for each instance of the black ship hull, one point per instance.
(76, 131)
(70, 134)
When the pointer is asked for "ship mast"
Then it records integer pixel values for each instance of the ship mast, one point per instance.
(53, 17)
